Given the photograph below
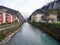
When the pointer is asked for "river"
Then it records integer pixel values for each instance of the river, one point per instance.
(30, 35)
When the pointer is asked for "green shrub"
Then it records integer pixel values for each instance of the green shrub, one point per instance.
(2, 35)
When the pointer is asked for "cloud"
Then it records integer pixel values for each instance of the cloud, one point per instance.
(24, 5)
(32, 5)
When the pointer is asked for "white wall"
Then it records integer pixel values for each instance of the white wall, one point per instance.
(4, 18)
(53, 16)
(36, 18)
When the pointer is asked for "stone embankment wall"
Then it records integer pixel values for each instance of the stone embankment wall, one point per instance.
(6, 34)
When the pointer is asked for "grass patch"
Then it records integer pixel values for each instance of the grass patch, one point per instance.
(52, 29)
(7, 32)
(2, 35)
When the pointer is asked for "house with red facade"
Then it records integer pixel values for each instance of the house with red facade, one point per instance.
(7, 15)
(1, 18)
(8, 18)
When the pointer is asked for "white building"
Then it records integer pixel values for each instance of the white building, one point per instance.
(52, 17)
(36, 18)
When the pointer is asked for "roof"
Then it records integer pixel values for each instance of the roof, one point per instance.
(8, 10)
(11, 11)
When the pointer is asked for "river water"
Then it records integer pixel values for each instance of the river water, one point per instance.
(30, 35)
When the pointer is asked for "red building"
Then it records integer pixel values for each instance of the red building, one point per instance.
(8, 18)
(1, 18)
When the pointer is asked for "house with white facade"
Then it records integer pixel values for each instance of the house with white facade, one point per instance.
(52, 18)
(36, 18)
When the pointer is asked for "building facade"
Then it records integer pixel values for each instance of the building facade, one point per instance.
(37, 18)
(8, 15)
(7, 18)
(53, 18)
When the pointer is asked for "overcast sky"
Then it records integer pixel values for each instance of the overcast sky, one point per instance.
(26, 7)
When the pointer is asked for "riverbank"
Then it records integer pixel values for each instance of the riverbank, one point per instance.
(7, 33)
(30, 35)
(50, 29)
